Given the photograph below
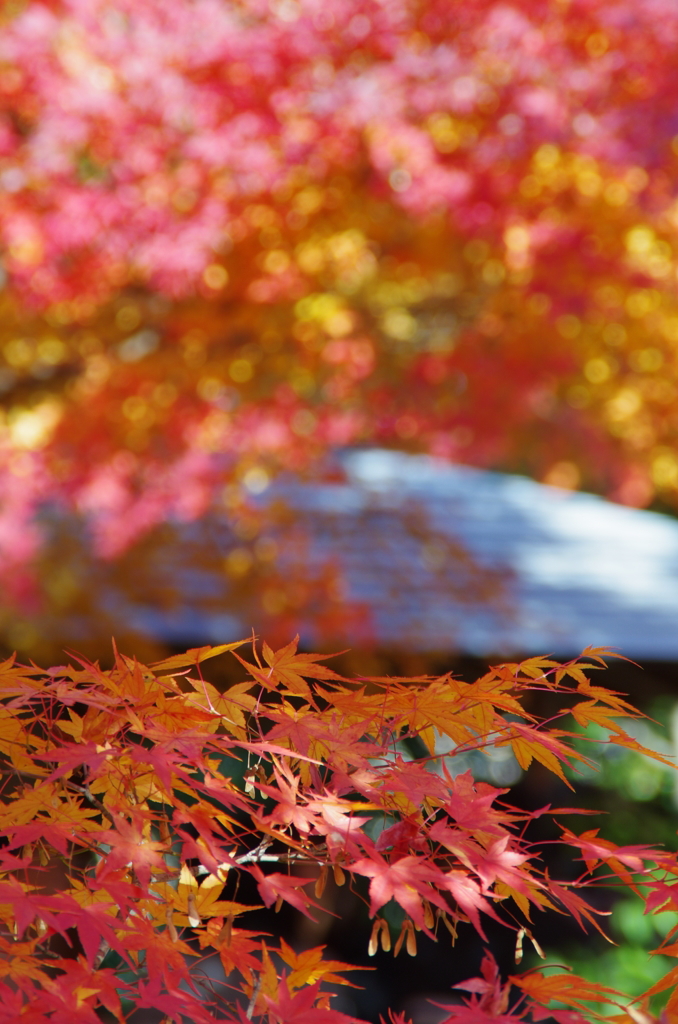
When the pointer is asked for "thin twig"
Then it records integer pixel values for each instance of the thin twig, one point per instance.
(104, 948)
(253, 1000)
(256, 854)
(277, 858)
(85, 791)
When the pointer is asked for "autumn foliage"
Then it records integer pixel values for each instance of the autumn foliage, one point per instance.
(236, 235)
(137, 799)
(239, 234)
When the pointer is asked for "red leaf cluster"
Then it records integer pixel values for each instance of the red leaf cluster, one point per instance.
(135, 800)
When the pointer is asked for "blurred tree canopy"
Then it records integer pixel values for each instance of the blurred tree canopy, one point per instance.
(237, 235)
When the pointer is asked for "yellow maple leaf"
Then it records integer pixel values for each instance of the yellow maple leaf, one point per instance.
(309, 967)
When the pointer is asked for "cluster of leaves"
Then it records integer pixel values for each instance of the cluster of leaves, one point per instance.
(239, 234)
(136, 800)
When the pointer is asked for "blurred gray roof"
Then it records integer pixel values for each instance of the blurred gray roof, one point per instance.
(443, 557)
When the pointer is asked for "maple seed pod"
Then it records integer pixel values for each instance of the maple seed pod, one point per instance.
(321, 882)
(339, 876)
(224, 936)
(173, 934)
(400, 939)
(278, 904)
(385, 936)
(448, 924)
(411, 940)
(519, 945)
(429, 919)
(373, 944)
(193, 916)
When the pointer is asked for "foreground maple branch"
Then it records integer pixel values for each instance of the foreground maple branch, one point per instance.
(137, 799)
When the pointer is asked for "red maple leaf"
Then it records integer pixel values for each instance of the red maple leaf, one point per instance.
(407, 881)
(466, 892)
(129, 845)
(301, 1007)
(276, 886)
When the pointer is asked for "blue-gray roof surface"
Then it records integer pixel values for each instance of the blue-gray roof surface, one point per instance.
(549, 571)
(584, 571)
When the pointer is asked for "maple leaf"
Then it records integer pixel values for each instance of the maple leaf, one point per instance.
(76, 756)
(600, 654)
(591, 711)
(495, 862)
(501, 862)
(287, 669)
(78, 989)
(276, 886)
(468, 896)
(623, 860)
(291, 669)
(469, 803)
(58, 833)
(410, 784)
(171, 1001)
(661, 896)
(537, 668)
(236, 946)
(570, 989)
(406, 880)
(179, 715)
(611, 697)
(670, 979)
(328, 737)
(233, 707)
(401, 838)
(577, 906)
(337, 819)
(96, 925)
(130, 845)
(58, 914)
(194, 656)
(119, 890)
(213, 858)
(195, 902)
(302, 1008)
(166, 956)
(286, 792)
(308, 967)
(528, 743)
(489, 999)
(622, 739)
